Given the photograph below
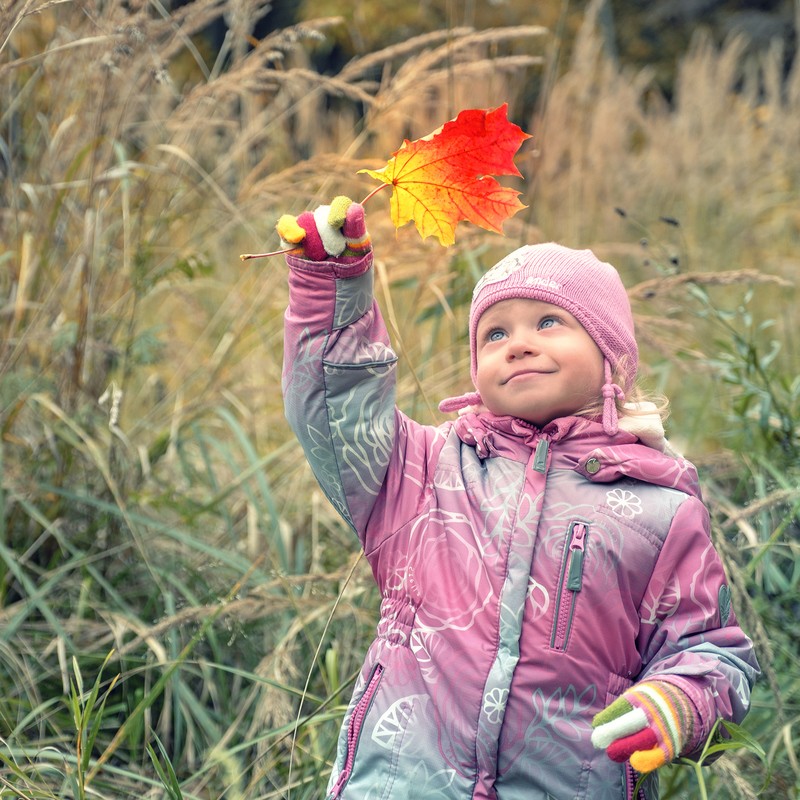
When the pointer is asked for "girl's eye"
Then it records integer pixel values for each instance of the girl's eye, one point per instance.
(495, 335)
(548, 322)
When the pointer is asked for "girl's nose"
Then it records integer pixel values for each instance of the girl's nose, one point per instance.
(520, 346)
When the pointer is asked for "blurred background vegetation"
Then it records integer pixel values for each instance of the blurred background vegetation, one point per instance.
(181, 613)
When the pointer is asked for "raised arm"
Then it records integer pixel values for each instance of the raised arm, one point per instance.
(338, 372)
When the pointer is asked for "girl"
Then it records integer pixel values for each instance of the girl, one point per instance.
(554, 616)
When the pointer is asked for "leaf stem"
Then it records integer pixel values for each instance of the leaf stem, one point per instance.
(248, 256)
(374, 192)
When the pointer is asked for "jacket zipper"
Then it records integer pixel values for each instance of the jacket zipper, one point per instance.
(631, 776)
(571, 580)
(354, 728)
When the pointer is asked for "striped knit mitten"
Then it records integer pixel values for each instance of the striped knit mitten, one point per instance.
(337, 231)
(650, 725)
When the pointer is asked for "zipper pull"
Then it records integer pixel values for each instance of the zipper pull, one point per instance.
(577, 550)
(540, 456)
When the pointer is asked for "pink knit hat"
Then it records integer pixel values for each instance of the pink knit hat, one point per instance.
(577, 281)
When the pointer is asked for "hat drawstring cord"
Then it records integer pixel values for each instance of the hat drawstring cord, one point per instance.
(611, 392)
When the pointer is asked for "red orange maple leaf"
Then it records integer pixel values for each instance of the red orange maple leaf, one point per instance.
(446, 177)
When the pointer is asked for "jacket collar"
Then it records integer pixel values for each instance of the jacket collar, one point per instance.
(583, 445)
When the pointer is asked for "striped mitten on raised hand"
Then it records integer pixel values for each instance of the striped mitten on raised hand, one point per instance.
(335, 232)
(651, 724)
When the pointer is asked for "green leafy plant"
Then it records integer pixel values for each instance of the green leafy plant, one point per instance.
(87, 715)
(762, 396)
(724, 736)
(165, 770)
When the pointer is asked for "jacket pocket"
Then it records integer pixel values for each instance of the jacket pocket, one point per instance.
(354, 727)
(570, 583)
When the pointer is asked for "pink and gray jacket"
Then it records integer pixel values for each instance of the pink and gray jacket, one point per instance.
(528, 576)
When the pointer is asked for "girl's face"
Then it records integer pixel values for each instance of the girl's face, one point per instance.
(535, 361)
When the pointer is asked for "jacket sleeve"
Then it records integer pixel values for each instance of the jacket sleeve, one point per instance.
(339, 386)
(689, 635)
